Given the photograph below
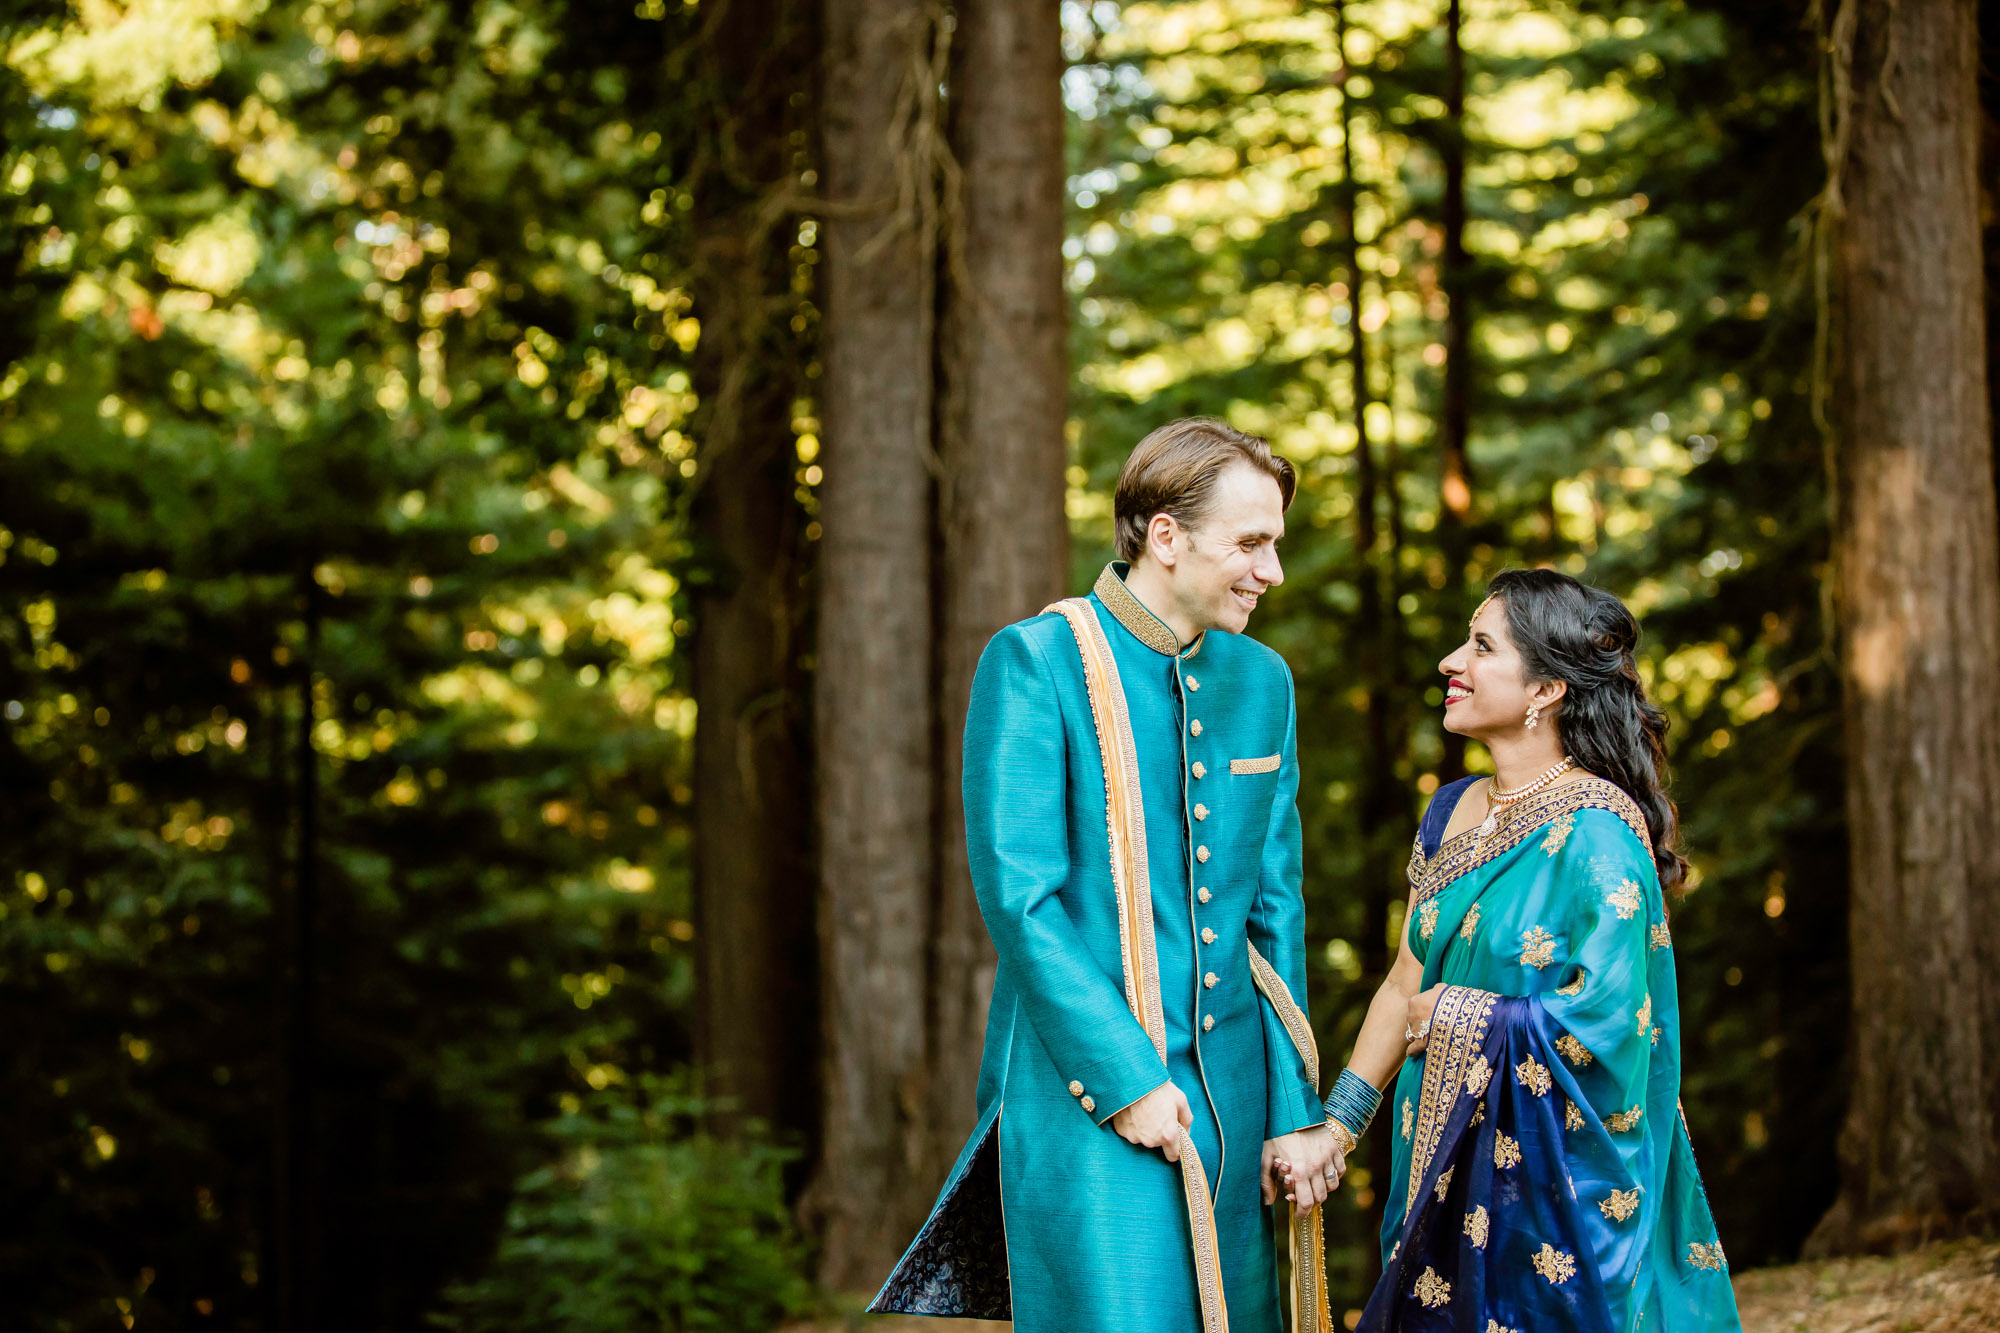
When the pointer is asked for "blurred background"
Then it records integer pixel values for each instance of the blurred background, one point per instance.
(500, 500)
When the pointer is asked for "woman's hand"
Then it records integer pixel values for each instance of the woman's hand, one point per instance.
(1417, 1030)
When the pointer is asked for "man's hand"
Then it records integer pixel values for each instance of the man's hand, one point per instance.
(1418, 1026)
(1156, 1120)
(1307, 1163)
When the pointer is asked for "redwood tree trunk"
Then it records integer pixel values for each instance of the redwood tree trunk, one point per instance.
(753, 867)
(1005, 533)
(875, 721)
(1455, 419)
(1919, 573)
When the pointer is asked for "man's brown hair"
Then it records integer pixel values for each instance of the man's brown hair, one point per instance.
(1173, 472)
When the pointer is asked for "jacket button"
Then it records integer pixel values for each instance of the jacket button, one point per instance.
(1209, 980)
(1200, 769)
(1075, 1089)
(1194, 727)
(1204, 895)
(1208, 1023)
(1207, 935)
(1201, 854)
(1193, 684)
(1088, 1104)
(1201, 812)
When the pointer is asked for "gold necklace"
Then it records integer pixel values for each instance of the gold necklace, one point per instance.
(1502, 801)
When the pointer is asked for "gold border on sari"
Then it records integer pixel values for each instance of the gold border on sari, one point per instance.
(1458, 1032)
(1466, 852)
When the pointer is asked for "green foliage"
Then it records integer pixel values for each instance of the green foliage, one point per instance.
(641, 1223)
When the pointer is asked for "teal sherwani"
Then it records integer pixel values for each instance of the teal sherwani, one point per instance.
(1049, 1217)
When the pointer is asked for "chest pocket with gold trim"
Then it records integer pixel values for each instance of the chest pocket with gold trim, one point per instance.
(1268, 764)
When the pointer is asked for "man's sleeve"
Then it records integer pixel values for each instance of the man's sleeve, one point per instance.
(1277, 929)
(1018, 845)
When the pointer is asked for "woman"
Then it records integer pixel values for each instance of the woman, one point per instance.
(1543, 1179)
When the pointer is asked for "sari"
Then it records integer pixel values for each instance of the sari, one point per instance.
(1543, 1178)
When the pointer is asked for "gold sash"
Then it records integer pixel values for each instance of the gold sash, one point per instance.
(1125, 825)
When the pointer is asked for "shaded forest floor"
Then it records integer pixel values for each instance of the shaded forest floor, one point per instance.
(1952, 1287)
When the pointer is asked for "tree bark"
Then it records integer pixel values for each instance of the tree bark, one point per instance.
(1919, 595)
(753, 866)
(875, 721)
(1005, 534)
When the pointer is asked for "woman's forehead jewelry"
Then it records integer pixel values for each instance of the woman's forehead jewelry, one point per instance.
(1481, 607)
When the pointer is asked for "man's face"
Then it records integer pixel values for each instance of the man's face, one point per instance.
(1223, 567)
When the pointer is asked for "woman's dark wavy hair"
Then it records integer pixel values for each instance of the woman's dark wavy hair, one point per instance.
(1586, 638)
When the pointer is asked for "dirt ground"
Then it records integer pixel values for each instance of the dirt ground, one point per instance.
(1947, 1288)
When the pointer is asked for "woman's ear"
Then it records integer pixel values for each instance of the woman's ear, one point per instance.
(1549, 693)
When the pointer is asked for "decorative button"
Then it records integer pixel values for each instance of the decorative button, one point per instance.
(1075, 1089)
(1209, 980)
(1088, 1104)
(1207, 935)
(1200, 769)
(1204, 895)
(1208, 1023)
(1193, 684)
(1201, 812)
(1201, 854)
(1194, 727)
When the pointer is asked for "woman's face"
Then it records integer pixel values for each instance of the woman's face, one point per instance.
(1486, 693)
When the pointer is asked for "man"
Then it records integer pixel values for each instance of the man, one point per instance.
(1148, 1081)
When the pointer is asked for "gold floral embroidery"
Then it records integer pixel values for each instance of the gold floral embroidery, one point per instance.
(1660, 936)
(1427, 919)
(1394, 1250)
(1534, 1076)
(1619, 1204)
(1555, 1265)
(1475, 1227)
(1479, 1114)
(1626, 899)
(1706, 1256)
(1573, 1050)
(1431, 1289)
(1645, 1015)
(1467, 851)
(1538, 947)
(1471, 924)
(1572, 1118)
(1620, 1121)
(1409, 1113)
(1444, 1183)
(1495, 1326)
(1506, 1151)
(1559, 831)
(1575, 987)
(1477, 1077)
(1656, 1034)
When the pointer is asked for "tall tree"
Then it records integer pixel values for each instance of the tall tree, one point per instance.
(1005, 536)
(1919, 595)
(875, 724)
(753, 746)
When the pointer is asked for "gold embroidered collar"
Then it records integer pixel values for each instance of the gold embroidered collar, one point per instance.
(1464, 853)
(1130, 612)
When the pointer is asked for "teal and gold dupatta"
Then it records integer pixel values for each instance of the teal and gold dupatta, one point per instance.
(1543, 1178)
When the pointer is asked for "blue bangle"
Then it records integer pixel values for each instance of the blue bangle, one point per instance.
(1353, 1102)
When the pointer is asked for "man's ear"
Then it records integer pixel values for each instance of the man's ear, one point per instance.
(1163, 540)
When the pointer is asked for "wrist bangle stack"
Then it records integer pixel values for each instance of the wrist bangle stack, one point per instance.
(1352, 1104)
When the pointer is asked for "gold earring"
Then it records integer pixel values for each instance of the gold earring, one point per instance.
(1534, 716)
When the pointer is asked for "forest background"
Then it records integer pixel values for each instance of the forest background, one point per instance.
(500, 501)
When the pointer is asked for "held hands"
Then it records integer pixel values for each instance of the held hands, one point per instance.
(1418, 1029)
(1156, 1120)
(1307, 1163)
